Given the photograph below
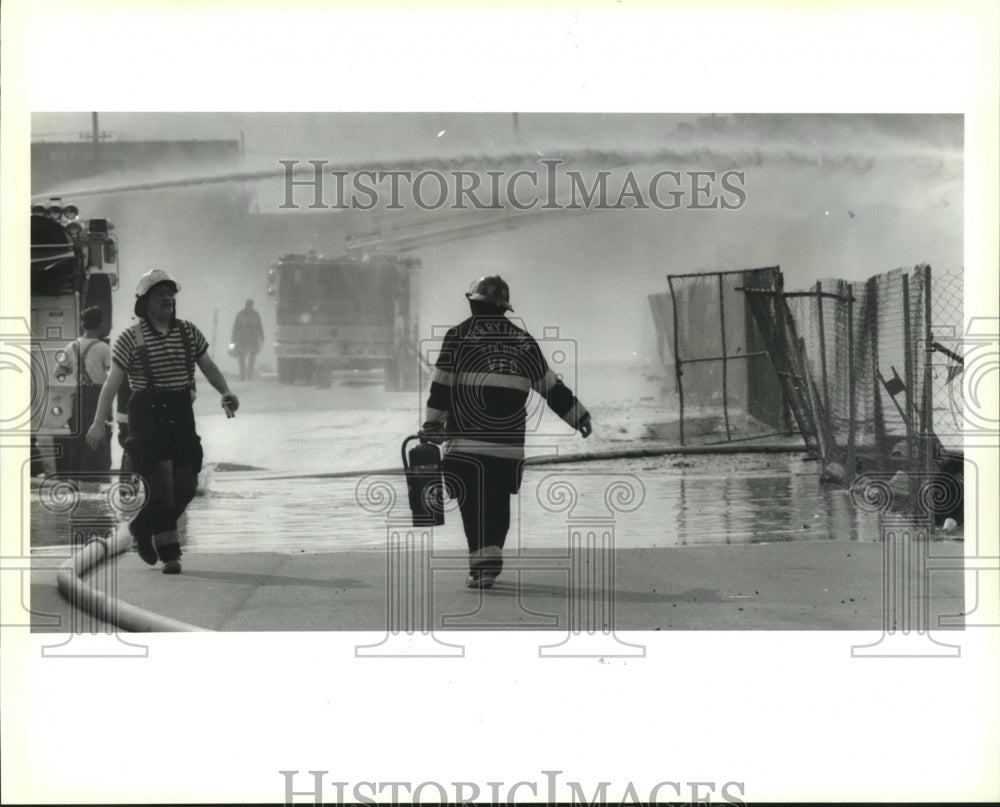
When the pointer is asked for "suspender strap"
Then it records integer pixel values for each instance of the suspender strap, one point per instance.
(140, 344)
(85, 378)
(188, 350)
(143, 349)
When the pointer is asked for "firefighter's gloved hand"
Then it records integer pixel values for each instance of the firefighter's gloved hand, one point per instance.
(585, 426)
(432, 432)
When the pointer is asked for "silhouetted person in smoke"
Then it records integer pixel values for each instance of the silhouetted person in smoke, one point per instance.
(247, 340)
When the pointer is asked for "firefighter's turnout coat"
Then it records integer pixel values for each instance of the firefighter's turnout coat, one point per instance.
(482, 379)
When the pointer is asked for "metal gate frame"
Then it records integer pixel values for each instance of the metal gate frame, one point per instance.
(725, 358)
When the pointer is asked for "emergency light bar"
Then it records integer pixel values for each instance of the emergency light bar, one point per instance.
(57, 212)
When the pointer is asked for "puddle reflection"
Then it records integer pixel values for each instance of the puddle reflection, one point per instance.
(681, 508)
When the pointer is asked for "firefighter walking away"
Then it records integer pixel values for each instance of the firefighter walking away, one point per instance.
(486, 370)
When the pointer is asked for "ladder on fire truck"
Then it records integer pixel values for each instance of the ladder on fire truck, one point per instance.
(411, 235)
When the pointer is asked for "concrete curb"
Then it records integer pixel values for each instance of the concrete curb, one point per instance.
(69, 579)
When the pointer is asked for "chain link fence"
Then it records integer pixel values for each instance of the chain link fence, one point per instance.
(870, 372)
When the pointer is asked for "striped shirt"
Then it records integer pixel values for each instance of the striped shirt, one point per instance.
(167, 360)
(481, 383)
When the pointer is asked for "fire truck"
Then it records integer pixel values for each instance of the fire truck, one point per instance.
(349, 312)
(361, 310)
(69, 273)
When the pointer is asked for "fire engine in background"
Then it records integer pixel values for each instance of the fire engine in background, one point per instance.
(68, 274)
(361, 310)
(349, 312)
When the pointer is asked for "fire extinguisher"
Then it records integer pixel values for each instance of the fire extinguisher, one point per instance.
(424, 483)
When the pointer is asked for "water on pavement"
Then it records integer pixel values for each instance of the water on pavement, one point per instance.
(267, 486)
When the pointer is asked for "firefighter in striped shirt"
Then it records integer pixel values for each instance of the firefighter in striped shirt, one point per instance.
(158, 355)
(482, 379)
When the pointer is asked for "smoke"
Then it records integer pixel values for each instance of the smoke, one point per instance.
(826, 196)
(201, 239)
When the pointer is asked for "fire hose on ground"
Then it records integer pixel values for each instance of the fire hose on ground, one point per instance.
(90, 600)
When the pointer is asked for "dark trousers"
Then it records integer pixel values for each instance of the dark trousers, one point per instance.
(170, 488)
(482, 486)
(247, 361)
(165, 450)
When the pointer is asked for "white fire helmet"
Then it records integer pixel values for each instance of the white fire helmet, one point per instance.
(152, 278)
(491, 289)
